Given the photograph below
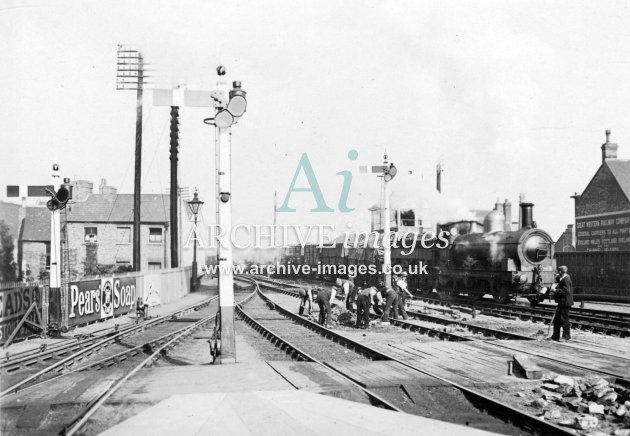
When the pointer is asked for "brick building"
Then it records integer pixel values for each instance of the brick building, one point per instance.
(96, 231)
(566, 241)
(11, 216)
(99, 230)
(34, 243)
(602, 212)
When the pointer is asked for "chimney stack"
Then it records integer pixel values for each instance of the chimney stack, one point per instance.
(507, 212)
(82, 188)
(609, 150)
(438, 181)
(527, 215)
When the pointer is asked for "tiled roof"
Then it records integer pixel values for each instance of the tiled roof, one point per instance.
(621, 170)
(119, 208)
(10, 214)
(36, 225)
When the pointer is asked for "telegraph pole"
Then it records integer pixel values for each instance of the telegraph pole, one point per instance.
(130, 76)
(174, 150)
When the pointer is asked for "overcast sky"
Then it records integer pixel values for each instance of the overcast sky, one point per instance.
(513, 96)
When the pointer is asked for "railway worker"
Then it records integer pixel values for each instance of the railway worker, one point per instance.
(403, 294)
(352, 293)
(391, 304)
(377, 300)
(142, 309)
(324, 299)
(364, 301)
(345, 289)
(564, 297)
(306, 296)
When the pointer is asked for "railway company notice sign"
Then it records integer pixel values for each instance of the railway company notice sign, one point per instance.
(91, 300)
(605, 232)
(14, 302)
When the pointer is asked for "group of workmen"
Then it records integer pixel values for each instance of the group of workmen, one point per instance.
(385, 300)
(391, 300)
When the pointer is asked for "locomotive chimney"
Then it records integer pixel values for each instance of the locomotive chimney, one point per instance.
(527, 215)
(609, 150)
(521, 200)
(507, 212)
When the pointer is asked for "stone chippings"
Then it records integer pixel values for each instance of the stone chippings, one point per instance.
(595, 400)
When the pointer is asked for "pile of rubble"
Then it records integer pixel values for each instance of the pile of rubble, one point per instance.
(595, 400)
(340, 316)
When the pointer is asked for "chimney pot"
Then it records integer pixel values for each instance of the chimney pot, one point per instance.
(527, 215)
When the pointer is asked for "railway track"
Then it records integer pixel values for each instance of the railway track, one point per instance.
(283, 336)
(85, 415)
(279, 324)
(620, 378)
(171, 332)
(606, 322)
(105, 349)
(425, 329)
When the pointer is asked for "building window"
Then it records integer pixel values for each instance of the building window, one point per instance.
(155, 265)
(155, 234)
(91, 235)
(47, 256)
(407, 218)
(13, 191)
(123, 235)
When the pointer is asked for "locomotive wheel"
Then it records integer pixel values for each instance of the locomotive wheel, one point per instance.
(533, 301)
(501, 295)
(446, 291)
(480, 289)
(476, 296)
(425, 291)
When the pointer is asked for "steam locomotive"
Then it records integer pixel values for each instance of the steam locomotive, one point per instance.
(476, 262)
(503, 263)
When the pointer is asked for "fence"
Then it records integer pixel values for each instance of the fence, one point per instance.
(89, 299)
(102, 297)
(603, 275)
(15, 302)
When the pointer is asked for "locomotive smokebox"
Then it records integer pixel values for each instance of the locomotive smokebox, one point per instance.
(527, 215)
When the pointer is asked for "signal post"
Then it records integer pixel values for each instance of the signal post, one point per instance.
(229, 106)
(59, 196)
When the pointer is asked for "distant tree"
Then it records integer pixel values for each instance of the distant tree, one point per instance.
(7, 262)
(98, 269)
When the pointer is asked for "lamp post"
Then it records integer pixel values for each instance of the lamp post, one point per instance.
(194, 205)
(229, 107)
